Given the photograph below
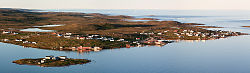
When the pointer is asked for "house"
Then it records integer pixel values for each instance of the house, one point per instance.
(86, 48)
(5, 40)
(25, 41)
(53, 33)
(138, 38)
(112, 40)
(175, 31)
(56, 58)
(97, 49)
(83, 48)
(15, 33)
(81, 38)
(68, 34)
(33, 42)
(18, 40)
(62, 57)
(159, 33)
(121, 40)
(49, 57)
(42, 61)
(128, 46)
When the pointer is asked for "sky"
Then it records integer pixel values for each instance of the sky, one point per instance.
(129, 4)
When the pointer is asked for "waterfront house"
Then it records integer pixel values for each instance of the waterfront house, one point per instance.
(97, 49)
(83, 48)
(128, 46)
(87, 48)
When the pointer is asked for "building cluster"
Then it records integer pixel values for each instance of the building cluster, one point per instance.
(154, 41)
(62, 58)
(192, 33)
(81, 48)
(25, 41)
(88, 37)
(215, 34)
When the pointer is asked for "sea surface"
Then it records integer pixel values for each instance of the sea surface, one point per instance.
(230, 55)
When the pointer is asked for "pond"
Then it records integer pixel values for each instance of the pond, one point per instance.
(41, 30)
(36, 30)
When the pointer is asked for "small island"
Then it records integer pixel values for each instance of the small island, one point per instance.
(51, 61)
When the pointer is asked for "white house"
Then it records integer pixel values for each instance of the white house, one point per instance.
(18, 40)
(97, 48)
(33, 42)
(68, 33)
(42, 61)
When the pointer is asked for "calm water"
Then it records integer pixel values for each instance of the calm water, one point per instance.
(231, 55)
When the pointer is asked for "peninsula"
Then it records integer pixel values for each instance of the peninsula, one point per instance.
(94, 31)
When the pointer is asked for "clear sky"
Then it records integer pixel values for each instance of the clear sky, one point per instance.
(128, 4)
